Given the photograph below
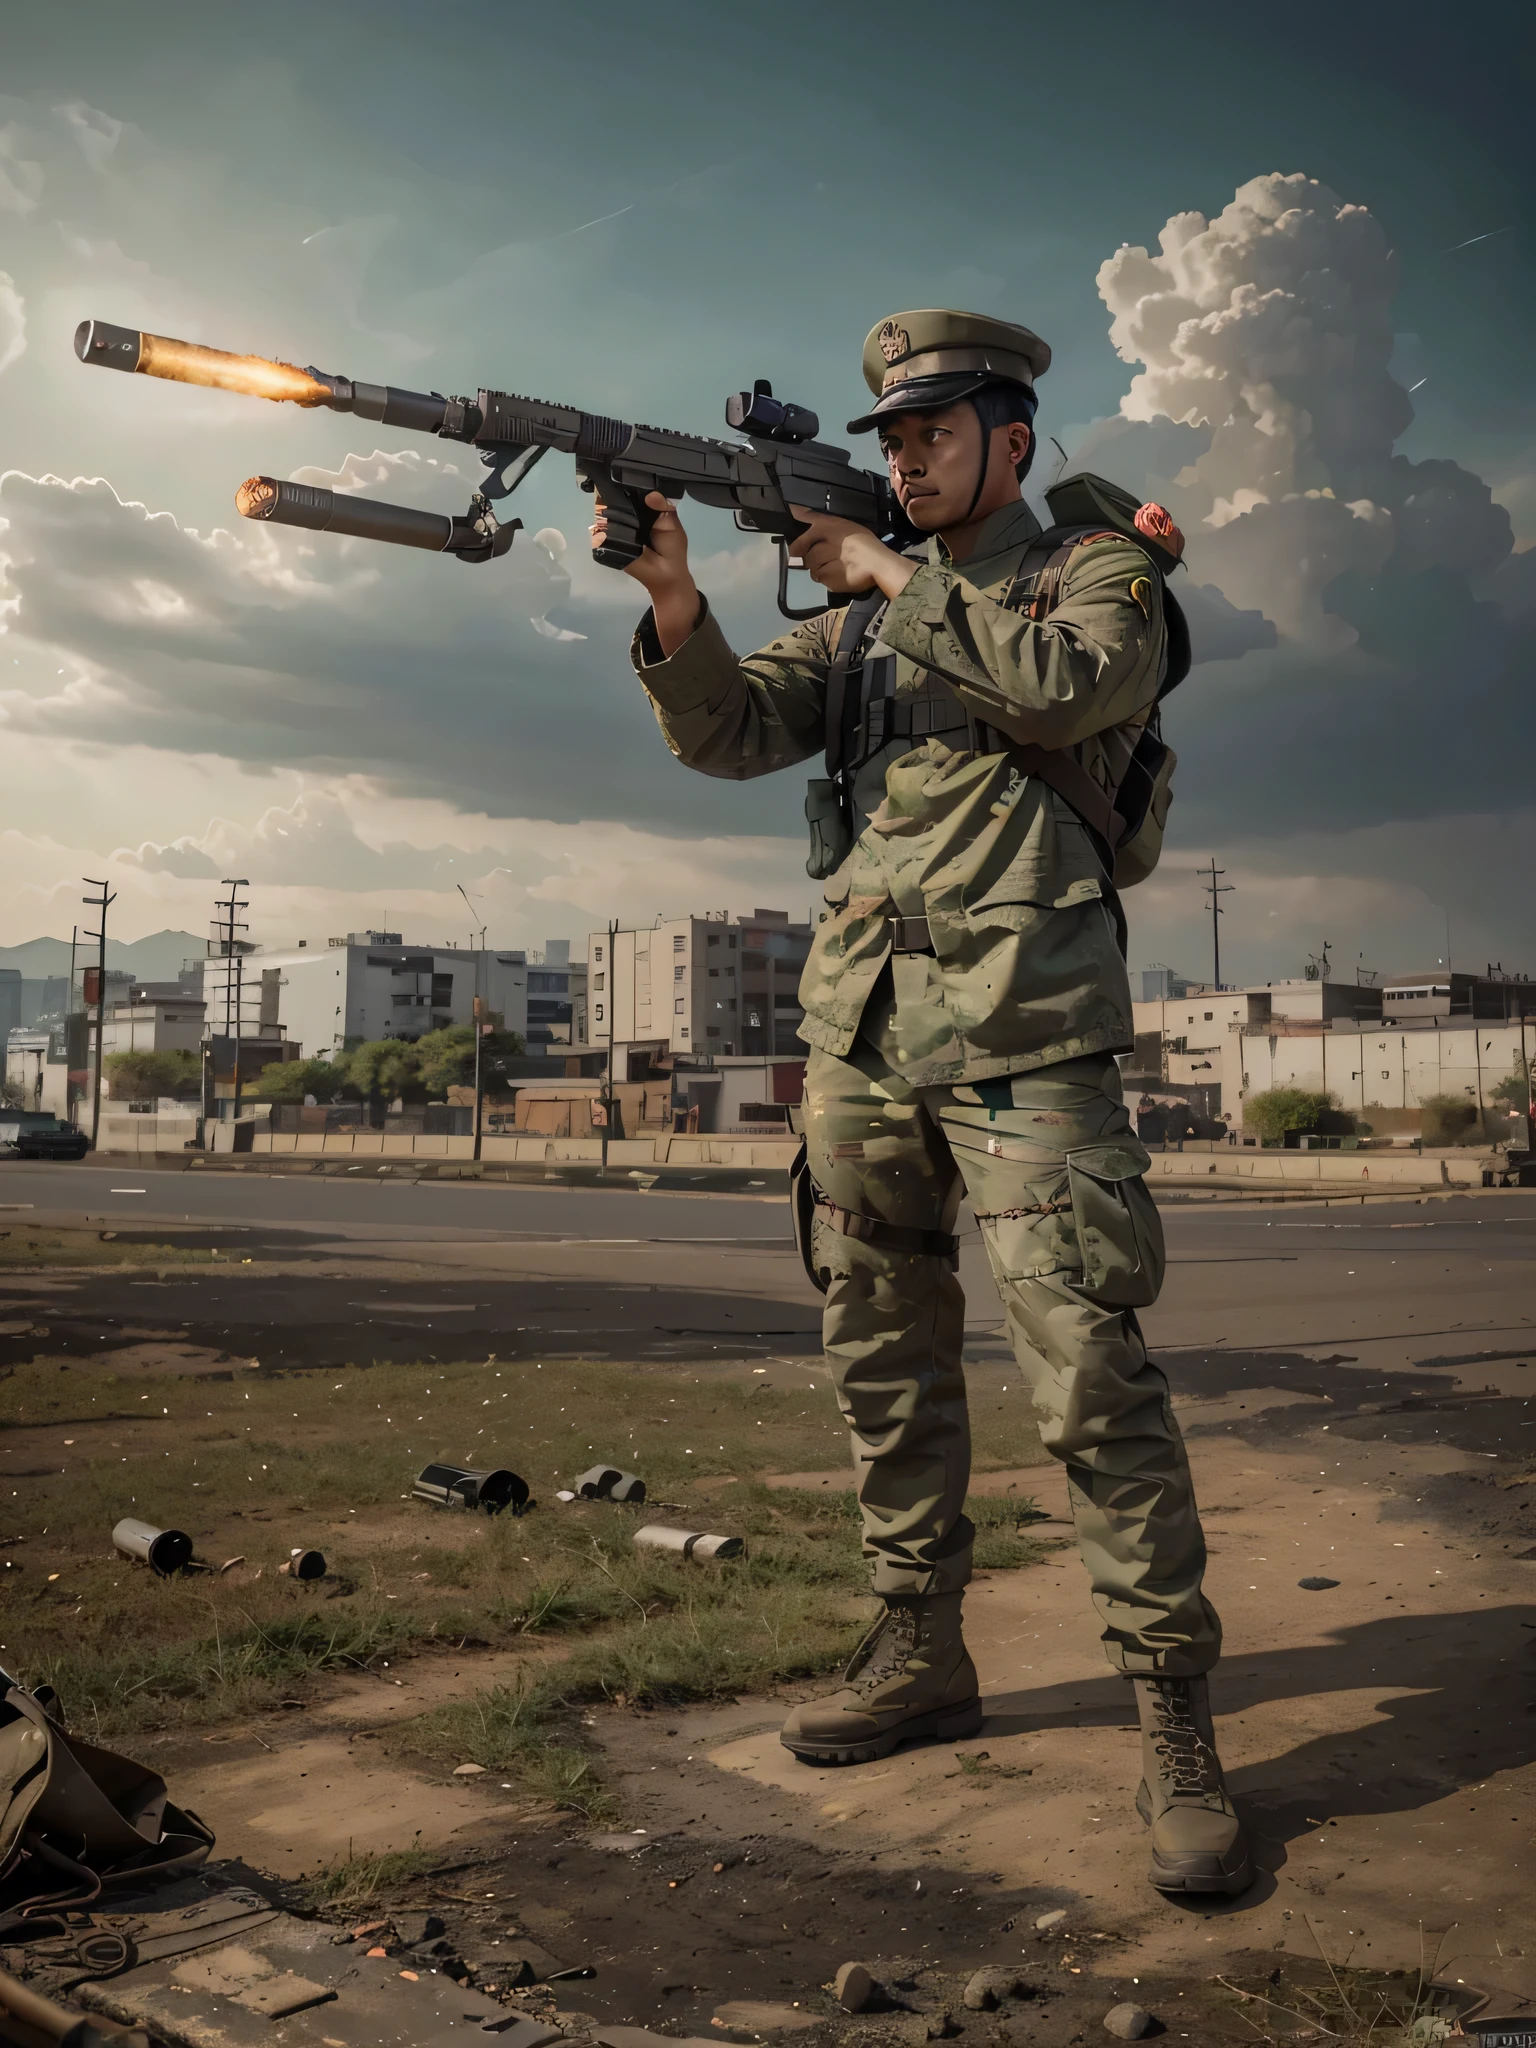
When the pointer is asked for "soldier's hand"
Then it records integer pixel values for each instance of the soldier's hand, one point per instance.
(663, 562)
(661, 569)
(839, 555)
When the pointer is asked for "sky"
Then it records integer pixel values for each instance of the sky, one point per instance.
(1283, 257)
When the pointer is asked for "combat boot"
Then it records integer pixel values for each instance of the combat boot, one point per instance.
(911, 1677)
(1198, 1842)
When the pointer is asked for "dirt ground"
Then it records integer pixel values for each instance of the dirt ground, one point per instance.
(1355, 1389)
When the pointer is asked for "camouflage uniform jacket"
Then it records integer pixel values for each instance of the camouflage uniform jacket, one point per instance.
(1026, 968)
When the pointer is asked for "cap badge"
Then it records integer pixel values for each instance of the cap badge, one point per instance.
(894, 342)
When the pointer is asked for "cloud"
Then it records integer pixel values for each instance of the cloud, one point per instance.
(1266, 335)
(21, 178)
(13, 323)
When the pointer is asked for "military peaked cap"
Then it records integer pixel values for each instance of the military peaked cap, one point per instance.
(923, 361)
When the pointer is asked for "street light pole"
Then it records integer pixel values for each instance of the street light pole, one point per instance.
(480, 1006)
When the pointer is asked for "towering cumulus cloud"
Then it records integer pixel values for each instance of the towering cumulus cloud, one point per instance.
(1266, 335)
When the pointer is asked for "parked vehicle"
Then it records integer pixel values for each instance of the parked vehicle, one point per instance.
(38, 1134)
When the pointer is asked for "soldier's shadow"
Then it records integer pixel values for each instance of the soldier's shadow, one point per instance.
(1442, 1702)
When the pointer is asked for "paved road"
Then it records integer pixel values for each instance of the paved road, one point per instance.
(459, 1209)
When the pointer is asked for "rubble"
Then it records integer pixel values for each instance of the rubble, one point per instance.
(988, 1988)
(855, 1988)
(1127, 2022)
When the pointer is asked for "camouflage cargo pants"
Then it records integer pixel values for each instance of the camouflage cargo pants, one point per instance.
(1075, 1243)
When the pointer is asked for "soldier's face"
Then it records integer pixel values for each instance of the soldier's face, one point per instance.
(935, 459)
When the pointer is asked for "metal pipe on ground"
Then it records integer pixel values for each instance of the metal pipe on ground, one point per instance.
(456, 1486)
(164, 1550)
(692, 1543)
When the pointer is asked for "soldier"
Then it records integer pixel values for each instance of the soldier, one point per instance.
(964, 1000)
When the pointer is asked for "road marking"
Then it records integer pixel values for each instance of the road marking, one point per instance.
(127, 1191)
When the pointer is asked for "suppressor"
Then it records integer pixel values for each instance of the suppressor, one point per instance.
(326, 511)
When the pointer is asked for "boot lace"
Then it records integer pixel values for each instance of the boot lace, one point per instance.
(1188, 1761)
(885, 1650)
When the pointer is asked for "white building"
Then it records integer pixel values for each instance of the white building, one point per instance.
(367, 985)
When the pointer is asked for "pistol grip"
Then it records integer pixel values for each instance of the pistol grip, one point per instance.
(630, 519)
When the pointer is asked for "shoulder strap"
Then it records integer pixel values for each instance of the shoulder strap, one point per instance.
(847, 656)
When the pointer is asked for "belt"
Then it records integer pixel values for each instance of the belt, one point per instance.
(910, 935)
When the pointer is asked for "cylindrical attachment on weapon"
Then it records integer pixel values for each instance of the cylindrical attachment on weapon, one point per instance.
(304, 1564)
(324, 511)
(454, 1486)
(188, 362)
(693, 1543)
(32, 2021)
(163, 1550)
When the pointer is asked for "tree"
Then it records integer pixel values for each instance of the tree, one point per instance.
(1278, 1110)
(448, 1057)
(382, 1068)
(293, 1080)
(145, 1076)
(1448, 1120)
(1513, 1092)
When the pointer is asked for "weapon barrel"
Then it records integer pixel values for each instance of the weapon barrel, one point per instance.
(32, 2021)
(188, 362)
(323, 511)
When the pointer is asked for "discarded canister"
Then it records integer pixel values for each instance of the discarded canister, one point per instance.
(304, 1564)
(453, 1486)
(163, 1550)
(691, 1542)
(607, 1482)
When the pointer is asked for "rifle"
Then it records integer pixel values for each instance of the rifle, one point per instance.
(777, 463)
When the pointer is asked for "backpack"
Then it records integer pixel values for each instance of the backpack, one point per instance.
(1128, 825)
(77, 1821)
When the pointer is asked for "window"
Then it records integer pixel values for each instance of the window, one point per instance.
(597, 952)
(597, 984)
(1208, 1015)
(714, 939)
(677, 973)
(711, 1030)
(677, 1007)
(1386, 1074)
(714, 972)
(598, 1013)
(679, 942)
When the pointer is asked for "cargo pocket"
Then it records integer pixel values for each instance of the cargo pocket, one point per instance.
(1119, 1232)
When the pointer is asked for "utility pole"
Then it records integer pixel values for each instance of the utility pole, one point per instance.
(613, 938)
(1215, 889)
(480, 1006)
(234, 968)
(98, 903)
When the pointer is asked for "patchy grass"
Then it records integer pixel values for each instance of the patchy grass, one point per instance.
(256, 1462)
(32, 1247)
(356, 1884)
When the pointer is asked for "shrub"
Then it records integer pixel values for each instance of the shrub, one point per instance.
(1278, 1110)
(1448, 1120)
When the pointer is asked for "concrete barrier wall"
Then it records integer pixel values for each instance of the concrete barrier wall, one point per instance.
(629, 1153)
(1362, 1169)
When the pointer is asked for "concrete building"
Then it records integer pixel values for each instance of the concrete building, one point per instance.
(364, 986)
(1381, 1074)
(556, 999)
(702, 985)
(37, 1068)
(153, 1023)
